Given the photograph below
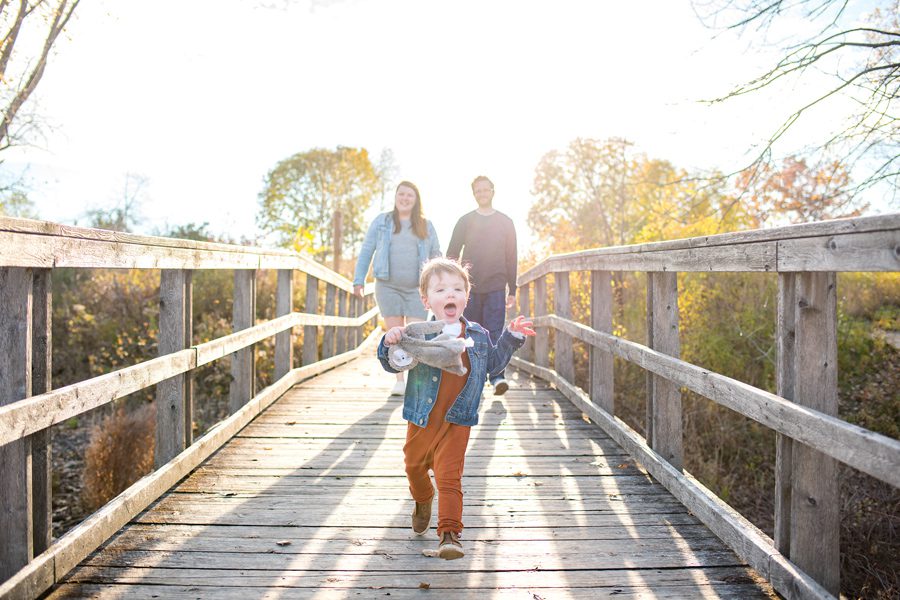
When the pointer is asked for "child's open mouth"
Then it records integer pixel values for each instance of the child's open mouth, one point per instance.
(450, 309)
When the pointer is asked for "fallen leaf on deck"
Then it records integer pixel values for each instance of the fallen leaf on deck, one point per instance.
(424, 586)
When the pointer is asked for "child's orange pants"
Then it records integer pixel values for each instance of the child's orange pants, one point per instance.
(440, 446)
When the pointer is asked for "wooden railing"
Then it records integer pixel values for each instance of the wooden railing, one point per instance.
(803, 560)
(29, 251)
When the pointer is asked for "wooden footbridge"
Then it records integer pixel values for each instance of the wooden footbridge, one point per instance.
(300, 492)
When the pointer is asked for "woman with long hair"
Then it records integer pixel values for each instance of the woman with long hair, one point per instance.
(401, 241)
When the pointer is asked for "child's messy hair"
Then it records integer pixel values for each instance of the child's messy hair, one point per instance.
(441, 265)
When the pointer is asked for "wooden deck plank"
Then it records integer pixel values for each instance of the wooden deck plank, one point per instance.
(310, 499)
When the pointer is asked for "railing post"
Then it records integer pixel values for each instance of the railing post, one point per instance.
(41, 369)
(524, 295)
(329, 331)
(243, 361)
(601, 369)
(563, 361)
(356, 311)
(665, 427)
(17, 539)
(815, 489)
(542, 339)
(311, 332)
(173, 401)
(342, 332)
(784, 375)
(284, 341)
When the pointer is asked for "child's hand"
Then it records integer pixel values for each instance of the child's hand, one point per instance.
(521, 325)
(393, 336)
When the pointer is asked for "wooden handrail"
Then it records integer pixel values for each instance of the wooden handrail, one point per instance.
(806, 258)
(33, 414)
(858, 244)
(29, 250)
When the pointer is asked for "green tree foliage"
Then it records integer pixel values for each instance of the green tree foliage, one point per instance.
(323, 192)
(596, 194)
(17, 204)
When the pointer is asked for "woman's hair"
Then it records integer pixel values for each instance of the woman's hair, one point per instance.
(417, 218)
(441, 265)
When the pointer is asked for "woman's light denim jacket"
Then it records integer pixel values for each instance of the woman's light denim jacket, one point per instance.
(423, 381)
(378, 242)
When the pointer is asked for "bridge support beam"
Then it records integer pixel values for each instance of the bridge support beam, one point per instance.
(664, 426)
(284, 341)
(41, 369)
(524, 297)
(174, 396)
(16, 524)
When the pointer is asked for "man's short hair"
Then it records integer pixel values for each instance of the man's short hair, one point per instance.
(481, 178)
(440, 265)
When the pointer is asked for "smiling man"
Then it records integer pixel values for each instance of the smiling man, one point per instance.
(485, 241)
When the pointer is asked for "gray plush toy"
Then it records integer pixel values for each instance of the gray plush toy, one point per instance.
(443, 352)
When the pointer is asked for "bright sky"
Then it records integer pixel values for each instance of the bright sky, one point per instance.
(204, 97)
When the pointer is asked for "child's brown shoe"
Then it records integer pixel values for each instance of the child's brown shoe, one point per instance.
(421, 517)
(450, 547)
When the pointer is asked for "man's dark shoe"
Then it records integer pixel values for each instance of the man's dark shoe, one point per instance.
(500, 387)
(421, 517)
(450, 547)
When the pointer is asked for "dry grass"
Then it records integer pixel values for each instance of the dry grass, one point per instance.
(120, 452)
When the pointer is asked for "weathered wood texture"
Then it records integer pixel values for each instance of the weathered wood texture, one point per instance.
(665, 420)
(243, 361)
(815, 501)
(38, 575)
(784, 375)
(563, 356)
(743, 537)
(542, 339)
(41, 369)
(284, 305)
(311, 332)
(857, 244)
(524, 298)
(344, 332)
(329, 337)
(17, 539)
(41, 244)
(870, 452)
(601, 365)
(172, 399)
(335, 521)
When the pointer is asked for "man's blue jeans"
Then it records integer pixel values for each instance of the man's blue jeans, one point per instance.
(489, 311)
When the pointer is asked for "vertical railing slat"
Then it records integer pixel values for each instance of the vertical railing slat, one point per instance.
(815, 489)
(329, 331)
(563, 361)
(311, 332)
(784, 375)
(243, 361)
(524, 298)
(542, 340)
(342, 332)
(601, 367)
(17, 538)
(666, 420)
(172, 411)
(284, 305)
(41, 369)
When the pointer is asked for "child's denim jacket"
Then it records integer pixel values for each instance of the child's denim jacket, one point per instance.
(378, 242)
(423, 381)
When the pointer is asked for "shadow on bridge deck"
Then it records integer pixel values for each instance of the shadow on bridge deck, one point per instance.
(311, 500)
